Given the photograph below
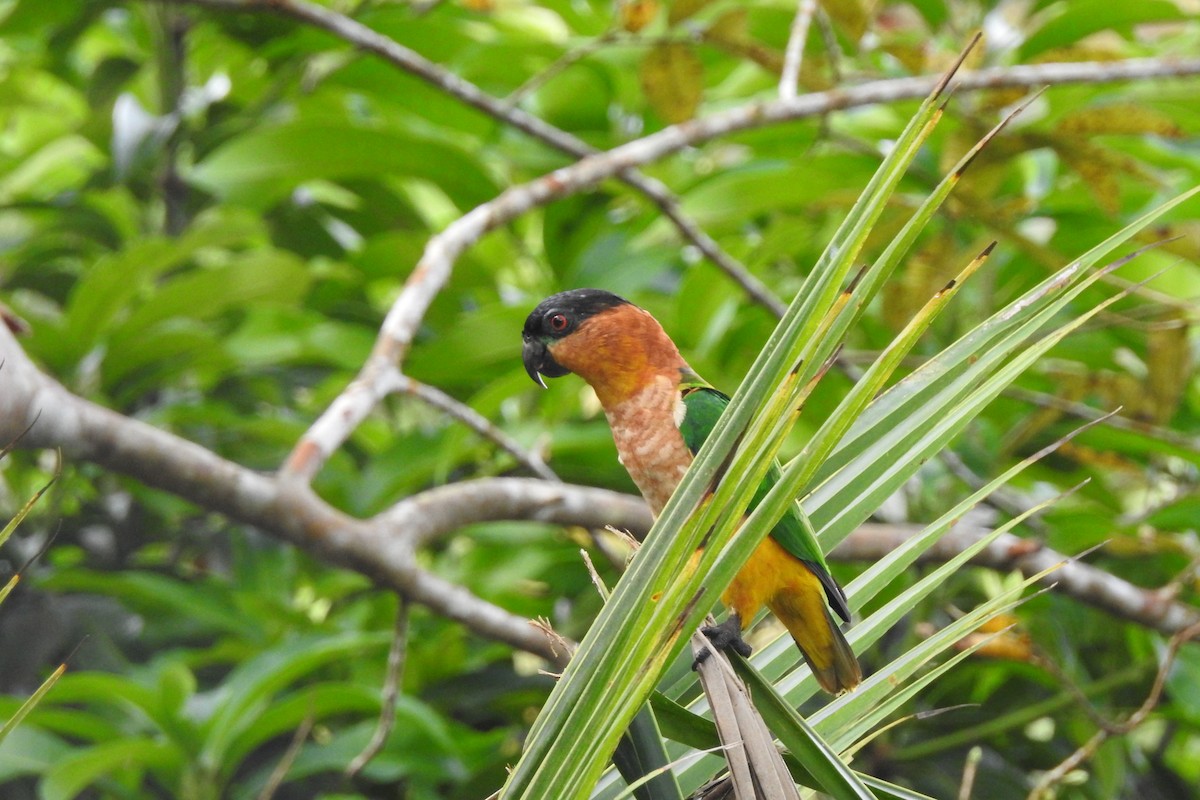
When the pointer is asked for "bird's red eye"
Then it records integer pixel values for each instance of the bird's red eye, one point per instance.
(558, 323)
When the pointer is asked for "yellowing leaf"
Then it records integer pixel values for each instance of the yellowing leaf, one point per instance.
(1169, 364)
(729, 27)
(849, 15)
(673, 80)
(1007, 646)
(1181, 238)
(1095, 50)
(1118, 119)
(682, 9)
(1002, 98)
(1098, 167)
(637, 14)
(1103, 460)
(910, 54)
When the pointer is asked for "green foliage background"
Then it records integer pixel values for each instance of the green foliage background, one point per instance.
(204, 216)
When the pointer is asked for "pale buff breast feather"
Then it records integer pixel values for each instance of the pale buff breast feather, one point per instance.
(645, 428)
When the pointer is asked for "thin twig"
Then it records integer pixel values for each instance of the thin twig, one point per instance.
(364, 38)
(832, 51)
(794, 54)
(560, 64)
(593, 167)
(1044, 786)
(1001, 497)
(391, 689)
(289, 757)
(172, 28)
(1083, 411)
(970, 769)
(468, 416)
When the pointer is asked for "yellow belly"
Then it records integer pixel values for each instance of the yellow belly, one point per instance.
(769, 574)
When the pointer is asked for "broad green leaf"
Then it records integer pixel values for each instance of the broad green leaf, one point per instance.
(74, 773)
(268, 275)
(260, 168)
(1071, 21)
(317, 701)
(248, 691)
(110, 284)
(208, 604)
(29, 750)
(56, 167)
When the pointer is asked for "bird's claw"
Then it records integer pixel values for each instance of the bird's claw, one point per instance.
(725, 636)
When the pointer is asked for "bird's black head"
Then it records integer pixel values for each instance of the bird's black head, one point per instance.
(555, 318)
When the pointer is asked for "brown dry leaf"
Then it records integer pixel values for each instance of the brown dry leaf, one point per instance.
(1118, 119)
(1169, 364)
(479, 5)
(1104, 460)
(637, 14)
(673, 80)
(1008, 645)
(682, 9)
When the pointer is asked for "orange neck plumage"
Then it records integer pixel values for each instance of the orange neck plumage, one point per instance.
(619, 352)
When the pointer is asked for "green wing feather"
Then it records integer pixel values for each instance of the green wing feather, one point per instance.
(704, 406)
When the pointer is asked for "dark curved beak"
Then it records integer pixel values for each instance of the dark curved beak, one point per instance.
(539, 362)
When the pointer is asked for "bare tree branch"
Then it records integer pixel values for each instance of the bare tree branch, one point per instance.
(279, 774)
(437, 262)
(171, 31)
(391, 689)
(794, 54)
(468, 416)
(1044, 788)
(384, 548)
